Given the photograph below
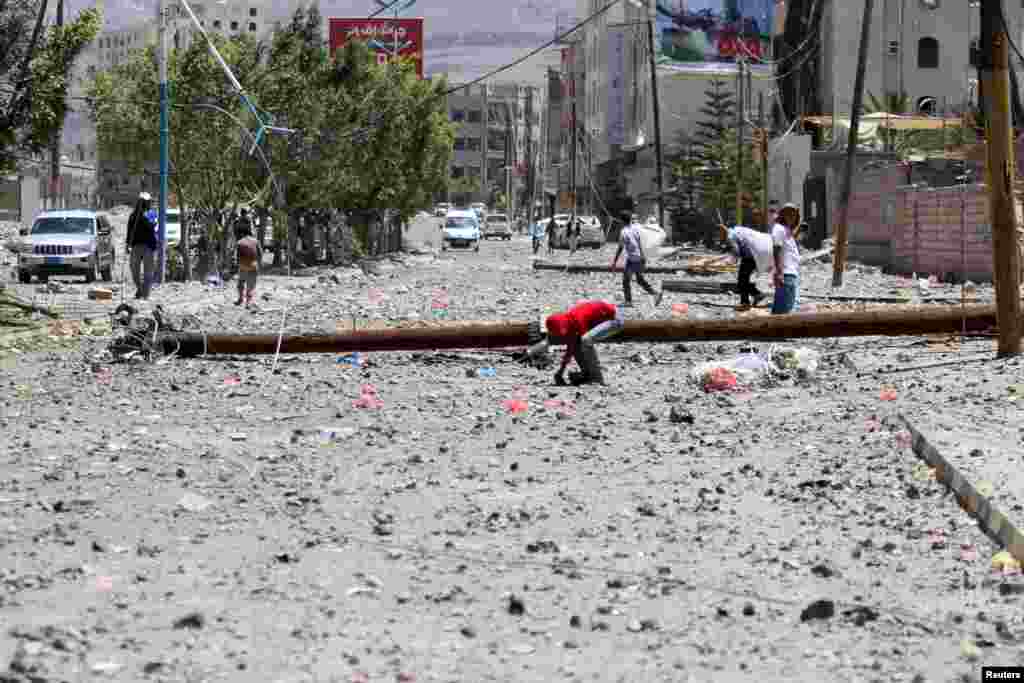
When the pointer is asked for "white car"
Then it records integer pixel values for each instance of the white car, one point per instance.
(68, 243)
(497, 225)
(591, 232)
(461, 229)
(172, 227)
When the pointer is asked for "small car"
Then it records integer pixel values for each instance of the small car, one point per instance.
(591, 232)
(461, 229)
(441, 210)
(68, 243)
(497, 225)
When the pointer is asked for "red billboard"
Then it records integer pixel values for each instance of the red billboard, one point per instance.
(385, 37)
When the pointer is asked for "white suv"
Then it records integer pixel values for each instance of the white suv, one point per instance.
(68, 243)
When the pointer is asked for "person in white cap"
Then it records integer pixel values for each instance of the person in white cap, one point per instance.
(753, 250)
(141, 244)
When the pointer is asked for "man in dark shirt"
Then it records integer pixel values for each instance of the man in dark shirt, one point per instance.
(142, 244)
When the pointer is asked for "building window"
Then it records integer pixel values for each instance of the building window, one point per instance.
(234, 25)
(216, 23)
(475, 116)
(457, 171)
(926, 106)
(928, 53)
(252, 27)
(976, 50)
(252, 11)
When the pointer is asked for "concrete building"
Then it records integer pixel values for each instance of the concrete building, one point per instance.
(498, 135)
(924, 48)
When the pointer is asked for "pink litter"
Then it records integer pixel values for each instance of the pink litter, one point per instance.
(903, 439)
(968, 553)
(680, 310)
(368, 398)
(232, 380)
(104, 375)
(104, 584)
(515, 405)
(560, 406)
(375, 296)
(720, 379)
(887, 394)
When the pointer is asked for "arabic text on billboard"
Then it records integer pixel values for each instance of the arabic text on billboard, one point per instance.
(702, 31)
(385, 37)
(617, 88)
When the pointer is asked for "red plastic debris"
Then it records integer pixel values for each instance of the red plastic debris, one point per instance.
(887, 394)
(720, 379)
(680, 310)
(515, 405)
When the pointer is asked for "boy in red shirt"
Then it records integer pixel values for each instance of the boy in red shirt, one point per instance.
(581, 327)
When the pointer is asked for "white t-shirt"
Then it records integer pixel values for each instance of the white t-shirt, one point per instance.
(758, 244)
(631, 242)
(783, 237)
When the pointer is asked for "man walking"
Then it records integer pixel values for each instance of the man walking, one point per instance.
(786, 259)
(636, 260)
(581, 328)
(250, 256)
(753, 250)
(141, 244)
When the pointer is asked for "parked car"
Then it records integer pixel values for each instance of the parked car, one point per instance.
(497, 225)
(480, 210)
(561, 228)
(591, 232)
(172, 226)
(68, 243)
(461, 229)
(441, 210)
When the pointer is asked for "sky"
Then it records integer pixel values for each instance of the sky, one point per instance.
(468, 37)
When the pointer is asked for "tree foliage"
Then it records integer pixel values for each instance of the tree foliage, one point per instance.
(35, 65)
(372, 141)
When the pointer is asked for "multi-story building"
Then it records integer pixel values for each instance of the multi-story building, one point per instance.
(927, 49)
(497, 138)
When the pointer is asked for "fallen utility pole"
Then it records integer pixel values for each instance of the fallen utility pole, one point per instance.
(839, 261)
(581, 268)
(995, 88)
(891, 323)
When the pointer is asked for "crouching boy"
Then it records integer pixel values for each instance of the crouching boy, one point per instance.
(581, 328)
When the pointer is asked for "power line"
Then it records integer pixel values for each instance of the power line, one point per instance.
(557, 39)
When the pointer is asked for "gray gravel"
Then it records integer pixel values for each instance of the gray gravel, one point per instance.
(215, 520)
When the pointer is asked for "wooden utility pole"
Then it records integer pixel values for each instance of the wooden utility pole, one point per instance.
(995, 86)
(740, 124)
(764, 158)
(839, 262)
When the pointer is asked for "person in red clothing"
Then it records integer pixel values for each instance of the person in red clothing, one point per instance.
(581, 327)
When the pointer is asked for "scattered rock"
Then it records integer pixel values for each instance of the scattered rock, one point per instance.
(819, 609)
(516, 606)
(193, 620)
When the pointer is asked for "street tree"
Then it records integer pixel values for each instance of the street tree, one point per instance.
(35, 64)
(208, 138)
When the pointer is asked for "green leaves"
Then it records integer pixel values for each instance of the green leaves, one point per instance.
(34, 65)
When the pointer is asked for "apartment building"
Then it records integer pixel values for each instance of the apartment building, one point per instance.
(497, 139)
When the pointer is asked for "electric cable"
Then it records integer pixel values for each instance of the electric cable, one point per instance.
(812, 34)
(557, 39)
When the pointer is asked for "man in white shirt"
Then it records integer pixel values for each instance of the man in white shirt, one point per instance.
(753, 250)
(630, 241)
(787, 260)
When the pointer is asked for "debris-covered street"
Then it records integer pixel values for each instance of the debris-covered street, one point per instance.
(454, 516)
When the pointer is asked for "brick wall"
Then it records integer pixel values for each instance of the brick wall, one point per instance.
(943, 232)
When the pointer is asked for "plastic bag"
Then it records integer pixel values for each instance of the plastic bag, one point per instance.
(803, 361)
(715, 377)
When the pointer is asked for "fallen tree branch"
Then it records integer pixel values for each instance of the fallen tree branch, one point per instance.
(991, 521)
(14, 302)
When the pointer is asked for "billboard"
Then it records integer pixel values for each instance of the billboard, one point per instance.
(385, 37)
(695, 32)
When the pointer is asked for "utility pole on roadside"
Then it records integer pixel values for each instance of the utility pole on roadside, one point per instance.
(764, 157)
(572, 129)
(165, 135)
(995, 84)
(55, 181)
(741, 116)
(839, 259)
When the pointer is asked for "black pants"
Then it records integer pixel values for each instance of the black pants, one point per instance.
(747, 288)
(634, 268)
